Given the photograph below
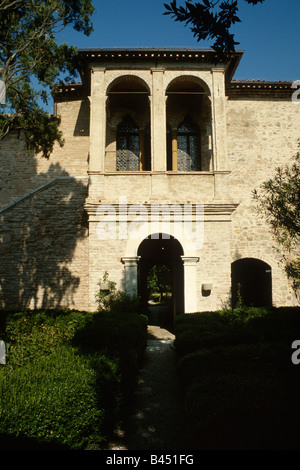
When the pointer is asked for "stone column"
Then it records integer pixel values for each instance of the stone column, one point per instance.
(158, 121)
(190, 283)
(219, 119)
(97, 130)
(131, 278)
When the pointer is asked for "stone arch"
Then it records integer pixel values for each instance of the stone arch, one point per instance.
(128, 82)
(127, 95)
(146, 232)
(193, 81)
(189, 96)
(162, 251)
(251, 280)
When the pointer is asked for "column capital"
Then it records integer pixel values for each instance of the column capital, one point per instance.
(130, 260)
(217, 69)
(96, 68)
(190, 260)
(157, 69)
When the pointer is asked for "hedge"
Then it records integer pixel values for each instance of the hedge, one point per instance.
(66, 377)
(238, 383)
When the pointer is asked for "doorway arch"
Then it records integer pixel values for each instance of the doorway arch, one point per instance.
(162, 250)
(252, 279)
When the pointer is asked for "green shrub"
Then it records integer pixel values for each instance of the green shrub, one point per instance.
(33, 334)
(233, 410)
(238, 382)
(277, 324)
(122, 337)
(111, 299)
(210, 330)
(68, 374)
(231, 328)
(57, 398)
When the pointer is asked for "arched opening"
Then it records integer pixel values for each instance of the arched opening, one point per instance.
(189, 125)
(127, 125)
(251, 281)
(160, 279)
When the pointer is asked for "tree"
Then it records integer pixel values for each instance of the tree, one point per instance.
(210, 19)
(159, 280)
(31, 62)
(279, 201)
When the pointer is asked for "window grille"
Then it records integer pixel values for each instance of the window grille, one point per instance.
(128, 146)
(188, 147)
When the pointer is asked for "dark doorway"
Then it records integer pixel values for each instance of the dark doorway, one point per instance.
(162, 256)
(251, 281)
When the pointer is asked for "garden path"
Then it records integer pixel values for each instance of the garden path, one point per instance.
(156, 421)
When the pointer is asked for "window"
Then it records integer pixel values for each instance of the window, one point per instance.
(128, 146)
(188, 146)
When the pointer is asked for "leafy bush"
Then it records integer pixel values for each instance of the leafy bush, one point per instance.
(111, 299)
(33, 334)
(67, 374)
(122, 337)
(238, 383)
(210, 329)
(56, 398)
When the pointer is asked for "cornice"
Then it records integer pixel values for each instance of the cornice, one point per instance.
(260, 88)
(156, 208)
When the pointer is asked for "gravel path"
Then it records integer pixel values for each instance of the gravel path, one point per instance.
(156, 422)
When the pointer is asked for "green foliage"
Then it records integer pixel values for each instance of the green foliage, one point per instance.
(107, 290)
(68, 375)
(109, 299)
(33, 335)
(239, 390)
(31, 61)
(54, 399)
(159, 280)
(211, 329)
(210, 19)
(278, 202)
(120, 336)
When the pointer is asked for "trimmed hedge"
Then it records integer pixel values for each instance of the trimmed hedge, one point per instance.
(67, 376)
(238, 382)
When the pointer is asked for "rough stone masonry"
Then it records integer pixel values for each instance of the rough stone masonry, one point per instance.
(144, 128)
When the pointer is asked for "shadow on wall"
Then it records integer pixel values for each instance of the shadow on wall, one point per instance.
(39, 235)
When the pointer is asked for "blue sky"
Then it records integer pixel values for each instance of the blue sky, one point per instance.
(269, 34)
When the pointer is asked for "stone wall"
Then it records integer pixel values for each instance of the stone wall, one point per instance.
(262, 134)
(50, 253)
(44, 249)
(22, 172)
(43, 225)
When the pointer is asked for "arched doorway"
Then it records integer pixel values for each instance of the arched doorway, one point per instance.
(251, 280)
(161, 265)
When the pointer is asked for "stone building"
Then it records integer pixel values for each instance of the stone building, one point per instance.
(163, 149)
